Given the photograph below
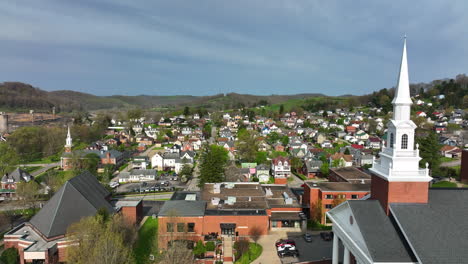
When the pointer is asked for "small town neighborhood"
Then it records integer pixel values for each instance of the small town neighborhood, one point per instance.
(233, 132)
(238, 186)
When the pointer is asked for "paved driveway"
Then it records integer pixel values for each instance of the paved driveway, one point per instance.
(316, 250)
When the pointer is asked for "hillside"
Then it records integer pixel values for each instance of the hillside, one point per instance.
(16, 96)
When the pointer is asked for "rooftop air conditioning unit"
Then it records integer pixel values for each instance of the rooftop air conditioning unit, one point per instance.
(217, 188)
(215, 200)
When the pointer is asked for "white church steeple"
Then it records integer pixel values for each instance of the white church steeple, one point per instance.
(402, 101)
(396, 176)
(68, 141)
(399, 159)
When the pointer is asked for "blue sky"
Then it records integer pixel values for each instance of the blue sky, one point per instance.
(203, 47)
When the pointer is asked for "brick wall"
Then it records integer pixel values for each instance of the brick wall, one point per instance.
(398, 192)
(212, 223)
(464, 167)
(164, 237)
(133, 214)
(281, 180)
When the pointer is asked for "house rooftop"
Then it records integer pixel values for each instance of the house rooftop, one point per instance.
(351, 174)
(340, 186)
(180, 208)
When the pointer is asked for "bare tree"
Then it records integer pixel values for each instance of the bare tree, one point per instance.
(255, 233)
(97, 240)
(317, 211)
(6, 220)
(28, 192)
(177, 253)
(232, 173)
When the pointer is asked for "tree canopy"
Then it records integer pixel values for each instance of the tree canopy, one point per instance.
(213, 161)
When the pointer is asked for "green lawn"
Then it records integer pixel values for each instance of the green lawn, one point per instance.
(255, 250)
(445, 159)
(46, 160)
(444, 184)
(147, 242)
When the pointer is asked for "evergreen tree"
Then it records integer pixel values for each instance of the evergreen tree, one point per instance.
(429, 149)
(213, 160)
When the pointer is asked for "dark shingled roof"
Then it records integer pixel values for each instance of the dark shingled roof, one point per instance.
(382, 240)
(79, 197)
(438, 231)
(183, 208)
(18, 175)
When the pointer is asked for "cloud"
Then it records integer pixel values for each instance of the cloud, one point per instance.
(255, 46)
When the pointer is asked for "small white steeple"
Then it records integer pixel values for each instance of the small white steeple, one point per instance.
(68, 142)
(402, 100)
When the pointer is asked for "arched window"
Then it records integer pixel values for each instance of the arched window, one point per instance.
(404, 141)
(391, 140)
(280, 163)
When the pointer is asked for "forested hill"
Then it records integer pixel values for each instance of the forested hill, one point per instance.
(16, 96)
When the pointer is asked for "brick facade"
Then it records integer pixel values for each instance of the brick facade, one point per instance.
(133, 214)
(398, 192)
(313, 194)
(464, 167)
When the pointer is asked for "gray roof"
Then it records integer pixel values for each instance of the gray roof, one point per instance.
(171, 155)
(183, 208)
(143, 172)
(438, 231)
(17, 175)
(381, 238)
(79, 197)
(340, 186)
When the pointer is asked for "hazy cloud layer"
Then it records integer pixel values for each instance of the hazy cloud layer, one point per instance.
(210, 46)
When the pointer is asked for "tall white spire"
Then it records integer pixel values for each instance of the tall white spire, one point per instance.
(399, 159)
(68, 142)
(402, 100)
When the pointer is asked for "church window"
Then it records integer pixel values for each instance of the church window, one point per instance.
(404, 141)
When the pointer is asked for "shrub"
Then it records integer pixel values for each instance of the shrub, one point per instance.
(199, 250)
(10, 256)
(210, 246)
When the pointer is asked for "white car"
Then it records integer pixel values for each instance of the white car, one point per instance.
(286, 247)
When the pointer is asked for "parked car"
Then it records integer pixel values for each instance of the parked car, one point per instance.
(283, 242)
(307, 237)
(327, 236)
(288, 253)
(286, 247)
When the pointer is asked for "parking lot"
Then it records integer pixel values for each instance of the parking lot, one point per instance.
(318, 249)
(163, 184)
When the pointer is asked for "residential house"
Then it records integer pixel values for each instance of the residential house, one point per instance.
(373, 142)
(10, 180)
(311, 168)
(281, 169)
(341, 160)
(263, 173)
(450, 151)
(137, 176)
(326, 144)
